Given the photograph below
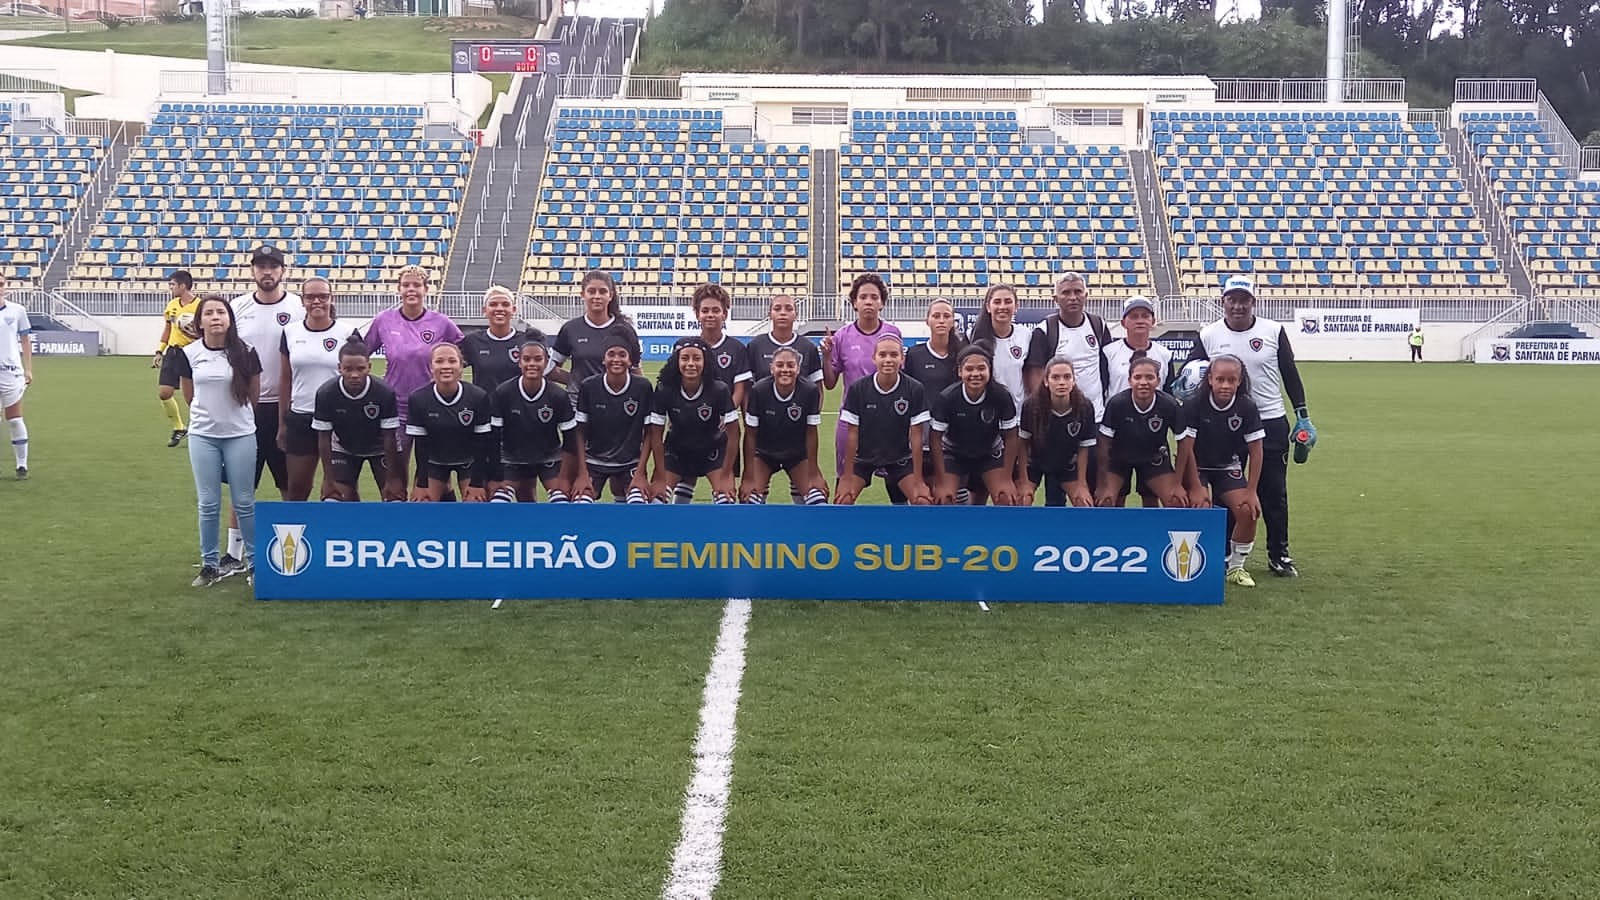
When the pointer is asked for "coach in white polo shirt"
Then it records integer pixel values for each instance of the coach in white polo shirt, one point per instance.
(1263, 345)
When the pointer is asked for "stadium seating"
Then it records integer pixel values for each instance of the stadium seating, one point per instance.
(1313, 202)
(945, 199)
(659, 198)
(349, 192)
(1556, 218)
(42, 179)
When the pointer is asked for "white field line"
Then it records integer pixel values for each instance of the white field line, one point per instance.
(697, 860)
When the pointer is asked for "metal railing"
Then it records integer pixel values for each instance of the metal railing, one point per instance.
(29, 81)
(1499, 226)
(1309, 90)
(630, 87)
(1589, 159)
(316, 87)
(1567, 149)
(1578, 310)
(1515, 314)
(1439, 118)
(1497, 90)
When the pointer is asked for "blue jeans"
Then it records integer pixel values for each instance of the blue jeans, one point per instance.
(211, 458)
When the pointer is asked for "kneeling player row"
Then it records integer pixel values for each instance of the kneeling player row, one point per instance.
(649, 443)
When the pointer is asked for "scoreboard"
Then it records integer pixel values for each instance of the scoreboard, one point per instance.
(531, 57)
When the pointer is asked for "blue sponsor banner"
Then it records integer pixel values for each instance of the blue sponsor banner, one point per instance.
(428, 551)
(65, 343)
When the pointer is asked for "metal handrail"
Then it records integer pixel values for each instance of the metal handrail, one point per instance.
(1496, 90)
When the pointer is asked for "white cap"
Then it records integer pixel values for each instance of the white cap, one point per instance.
(1138, 302)
(1239, 283)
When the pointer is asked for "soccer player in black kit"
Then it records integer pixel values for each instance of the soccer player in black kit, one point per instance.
(357, 420)
(884, 416)
(536, 428)
(783, 314)
(582, 340)
(933, 362)
(612, 411)
(689, 431)
(451, 427)
(781, 417)
(1058, 429)
(976, 420)
(1221, 462)
(1133, 439)
(494, 354)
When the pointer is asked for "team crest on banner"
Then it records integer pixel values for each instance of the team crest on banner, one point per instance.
(794, 412)
(630, 407)
(427, 336)
(1500, 352)
(465, 416)
(704, 412)
(1184, 559)
(370, 411)
(1155, 423)
(545, 413)
(289, 553)
(329, 343)
(1234, 422)
(1256, 344)
(900, 406)
(1309, 326)
(724, 360)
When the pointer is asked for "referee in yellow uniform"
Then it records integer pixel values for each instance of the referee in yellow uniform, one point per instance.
(179, 330)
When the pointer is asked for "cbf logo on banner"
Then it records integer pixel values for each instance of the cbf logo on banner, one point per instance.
(426, 551)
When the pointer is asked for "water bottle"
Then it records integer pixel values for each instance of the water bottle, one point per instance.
(1302, 445)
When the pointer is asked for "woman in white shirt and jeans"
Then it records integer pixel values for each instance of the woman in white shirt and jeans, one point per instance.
(220, 375)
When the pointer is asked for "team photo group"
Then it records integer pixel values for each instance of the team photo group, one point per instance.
(275, 383)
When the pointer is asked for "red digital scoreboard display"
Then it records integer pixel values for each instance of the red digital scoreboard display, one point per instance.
(531, 57)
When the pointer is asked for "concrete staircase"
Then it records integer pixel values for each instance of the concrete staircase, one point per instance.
(1152, 203)
(824, 235)
(1487, 201)
(90, 206)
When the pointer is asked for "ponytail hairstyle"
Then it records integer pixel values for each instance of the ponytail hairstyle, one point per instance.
(671, 376)
(532, 341)
(614, 307)
(355, 346)
(978, 347)
(1038, 408)
(1153, 363)
(1204, 393)
(238, 353)
(983, 330)
(957, 339)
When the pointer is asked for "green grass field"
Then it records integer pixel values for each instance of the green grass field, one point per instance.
(397, 44)
(1415, 717)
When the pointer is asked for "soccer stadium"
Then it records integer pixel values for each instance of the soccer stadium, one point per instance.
(732, 699)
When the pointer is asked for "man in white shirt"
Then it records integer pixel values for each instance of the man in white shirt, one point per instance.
(1138, 320)
(1263, 345)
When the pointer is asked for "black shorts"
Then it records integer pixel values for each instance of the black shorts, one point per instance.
(1155, 467)
(893, 473)
(692, 464)
(1037, 476)
(964, 466)
(169, 368)
(268, 456)
(299, 435)
(601, 473)
(780, 464)
(346, 469)
(510, 471)
(1220, 481)
(443, 471)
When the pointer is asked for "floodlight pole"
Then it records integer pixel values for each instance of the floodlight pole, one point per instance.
(216, 47)
(1338, 16)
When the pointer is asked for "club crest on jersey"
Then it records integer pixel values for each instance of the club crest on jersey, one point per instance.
(1155, 423)
(1073, 428)
(794, 412)
(515, 353)
(329, 343)
(427, 336)
(704, 412)
(465, 416)
(900, 406)
(630, 407)
(370, 411)
(986, 415)
(1016, 352)
(545, 413)
(724, 360)
(1092, 341)
(1256, 344)
(1235, 473)
(283, 318)
(1234, 422)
